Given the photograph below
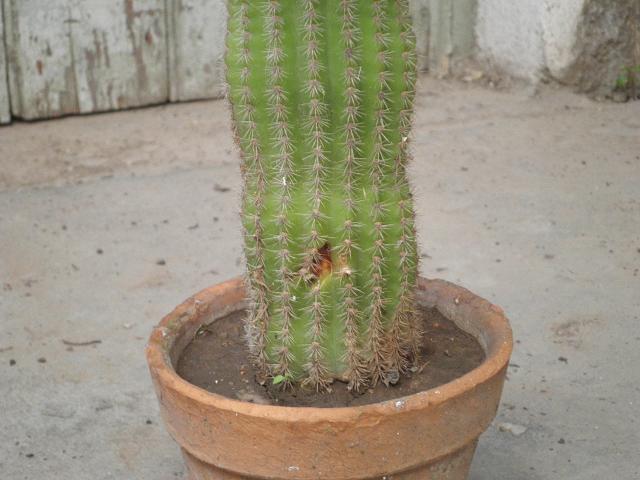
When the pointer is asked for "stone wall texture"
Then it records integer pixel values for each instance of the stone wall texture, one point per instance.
(581, 43)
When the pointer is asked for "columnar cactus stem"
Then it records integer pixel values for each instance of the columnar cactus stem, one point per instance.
(321, 94)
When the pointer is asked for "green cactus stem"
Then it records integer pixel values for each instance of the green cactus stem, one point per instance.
(322, 97)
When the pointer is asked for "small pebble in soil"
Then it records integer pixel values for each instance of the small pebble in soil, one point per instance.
(42, 360)
(392, 377)
(512, 428)
(161, 262)
(252, 397)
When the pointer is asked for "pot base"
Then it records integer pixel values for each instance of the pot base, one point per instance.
(451, 467)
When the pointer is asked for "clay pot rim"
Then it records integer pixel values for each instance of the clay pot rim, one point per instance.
(497, 358)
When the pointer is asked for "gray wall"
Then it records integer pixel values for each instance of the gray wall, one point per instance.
(81, 56)
(582, 43)
(444, 32)
(4, 87)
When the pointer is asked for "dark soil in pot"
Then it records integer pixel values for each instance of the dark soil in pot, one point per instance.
(217, 360)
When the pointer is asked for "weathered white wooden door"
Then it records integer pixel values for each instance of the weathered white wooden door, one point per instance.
(83, 56)
(80, 56)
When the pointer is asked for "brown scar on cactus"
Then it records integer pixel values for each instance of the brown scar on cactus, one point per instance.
(321, 264)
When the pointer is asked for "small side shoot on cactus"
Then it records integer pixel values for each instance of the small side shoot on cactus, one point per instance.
(322, 96)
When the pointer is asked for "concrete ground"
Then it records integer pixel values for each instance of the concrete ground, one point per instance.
(108, 221)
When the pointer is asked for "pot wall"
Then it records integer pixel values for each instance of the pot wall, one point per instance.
(428, 435)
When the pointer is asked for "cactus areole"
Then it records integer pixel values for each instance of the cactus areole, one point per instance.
(321, 94)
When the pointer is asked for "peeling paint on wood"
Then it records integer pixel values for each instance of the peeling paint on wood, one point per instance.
(5, 116)
(196, 48)
(82, 56)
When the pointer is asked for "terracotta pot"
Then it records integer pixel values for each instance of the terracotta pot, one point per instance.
(428, 435)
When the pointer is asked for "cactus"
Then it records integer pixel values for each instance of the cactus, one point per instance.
(322, 96)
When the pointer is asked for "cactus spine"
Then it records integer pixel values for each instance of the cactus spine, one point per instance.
(322, 94)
